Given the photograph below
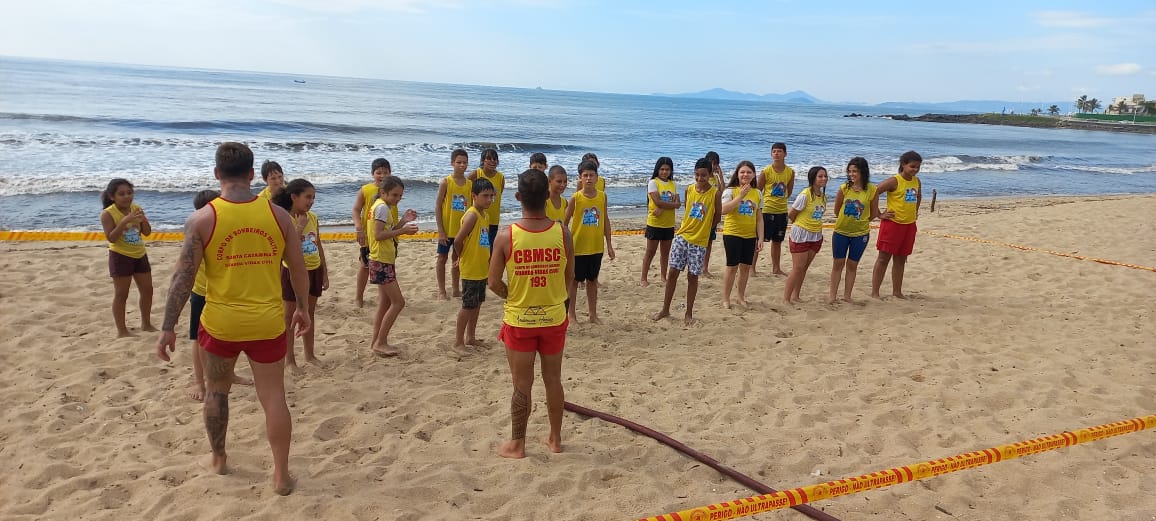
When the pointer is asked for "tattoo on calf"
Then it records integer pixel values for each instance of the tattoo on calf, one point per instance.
(217, 419)
(519, 414)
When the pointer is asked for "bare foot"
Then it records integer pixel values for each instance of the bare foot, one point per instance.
(513, 449)
(596, 320)
(707, 274)
(726, 304)
(459, 349)
(742, 304)
(572, 318)
(284, 485)
(294, 368)
(644, 283)
(899, 296)
(876, 296)
(147, 327)
(830, 300)
(457, 293)
(689, 321)
(386, 350)
(660, 315)
(478, 343)
(309, 360)
(442, 296)
(754, 273)
(554, 444)
(124, 334)
(848, 300)
(359, 302)
(779, 273)
(214, 464)
(197, 392)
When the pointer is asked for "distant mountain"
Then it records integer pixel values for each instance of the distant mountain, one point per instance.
(796, 96)
(973, 106)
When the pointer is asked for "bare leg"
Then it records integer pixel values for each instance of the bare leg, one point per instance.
(755, 264)
(728, 284)
(270, 383)
(572, 312)
(897, 276)
(460, 327)
(440, 270)
(456, 276)
(362, 280)
(671, 283)
(879, 272)
(706, 261)
(144, 286)
(647, 258)
(664, 260)
(552, 377)
(691, 292)
(472, 329)
(744, 273)
(290, 357)
(808, 257)
(392, 291)
(852, 267)
(382, 305)
(799, 264)
(836, 276)
(197, 388)
(522, 372)
(592, 300)
(776, 258)
(120, 286)
(309, 341)
(218, 381)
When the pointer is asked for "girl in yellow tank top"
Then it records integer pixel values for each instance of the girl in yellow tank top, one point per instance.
(856, 205)
(742, 230)
(556, 204)
(125, 226)
(662, 201)
(297, 199)
(806, 235)
(489, 170)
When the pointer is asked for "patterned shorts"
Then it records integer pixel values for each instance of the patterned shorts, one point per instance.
(473, 293)
(381, 273)
(684, 255)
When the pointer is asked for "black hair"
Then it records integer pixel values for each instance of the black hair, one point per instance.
(203, 197)
(457, 152)
(712, 156)
(591, 156)
(380, 162)
(268, 167)
(781, 146)
(813, 174)
(538, 157)
(234, 160)
(390, 183)
(864, 171)
(555, 170)
(909, 156)
(113, 186)
(587, 164)
(703, 163)
(735, 176)
(482, 184)
(534, 190)
(490, 153)
(295, 187)
(658, 164)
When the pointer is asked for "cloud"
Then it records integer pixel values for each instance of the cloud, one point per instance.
(1069, 20)
(1119, 68)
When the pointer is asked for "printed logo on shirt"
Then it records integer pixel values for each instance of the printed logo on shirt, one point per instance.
(458, 203)
(853, 209)
(697, 210)
(817, 213)
(132, 236)
(309, 244)
(666, 196)
(909, 196)
(779, 190)
(484, 238)
(590, 217)
(746, 207)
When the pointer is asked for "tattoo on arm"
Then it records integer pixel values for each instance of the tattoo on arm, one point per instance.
(217, 419)
(519, 414)
(183, 277)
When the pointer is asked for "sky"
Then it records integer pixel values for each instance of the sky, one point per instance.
(853, 51)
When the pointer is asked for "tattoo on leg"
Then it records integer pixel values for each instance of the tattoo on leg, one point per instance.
(217, 419)
(218, 368)
(519, 414)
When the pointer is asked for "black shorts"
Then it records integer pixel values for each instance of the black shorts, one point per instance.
(120, 265)
(196, 306)
(739, 250)
(586, 267)
(493, 235)
(473, 293)
(774, 227)
(364, 256)
(659, 234)
(315, 282)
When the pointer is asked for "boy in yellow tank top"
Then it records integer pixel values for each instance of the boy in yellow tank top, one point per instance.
(556, 205)
(274, 177)
(125, 226)
(537, 256)
(590, 226)
(489, 171)
(688, 250)
(450, 206)
(472, 247)
(897, 225)
(363, 222)
(538, 162)
(777, 182)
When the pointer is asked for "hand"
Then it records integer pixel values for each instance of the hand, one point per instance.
(410, 215)
(300, 323)
(301, 221)
(610, 252)
(166, 344)
(657, 212)
(746, 189)
(443, 240)
(135, 216)
(325, 280)
(759, 244)
(887, 215)
(361, 237)
(409, 228)
(457, 262)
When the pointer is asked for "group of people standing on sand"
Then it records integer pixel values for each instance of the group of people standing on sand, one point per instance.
(252, 267)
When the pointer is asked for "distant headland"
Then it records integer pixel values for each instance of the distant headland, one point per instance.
(1018, 120)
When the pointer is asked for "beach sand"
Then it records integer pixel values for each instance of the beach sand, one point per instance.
(995, 345)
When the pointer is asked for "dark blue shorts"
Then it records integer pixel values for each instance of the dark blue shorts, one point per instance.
(845, 247)
(447, 247)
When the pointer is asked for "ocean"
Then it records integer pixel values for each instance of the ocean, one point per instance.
(67, 128)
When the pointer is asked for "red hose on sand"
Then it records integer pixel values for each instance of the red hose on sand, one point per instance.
(743, 479)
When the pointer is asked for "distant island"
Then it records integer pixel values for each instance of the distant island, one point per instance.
(796, 96)
(1028, 121)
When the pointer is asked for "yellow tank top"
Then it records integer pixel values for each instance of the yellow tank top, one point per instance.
(854, 218)
(775, 191)
(698, 216)
(666, 192)
(130, 243)
(242, 266)
(369, 195)
(494, 212)
(588, 225)
(556, 213)
(310, 236)
(457, 201)
(537, 273)
(599, 184)
(200, 283)
(384, 251)
(811, 217)
(475, 259)
(266, 194)
(741, 222)
(903, 200)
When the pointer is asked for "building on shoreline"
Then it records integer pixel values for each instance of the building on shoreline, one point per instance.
(1134, 104)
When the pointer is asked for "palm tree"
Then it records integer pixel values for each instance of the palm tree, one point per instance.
(1053, 110)
(1082, 103)
(1120, 107)
(1093, 105)
(1150, 107)
(1036, 112)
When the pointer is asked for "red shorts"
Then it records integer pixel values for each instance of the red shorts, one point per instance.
(546, 340)
(896, 239)
(261, 351)
(803, 247)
